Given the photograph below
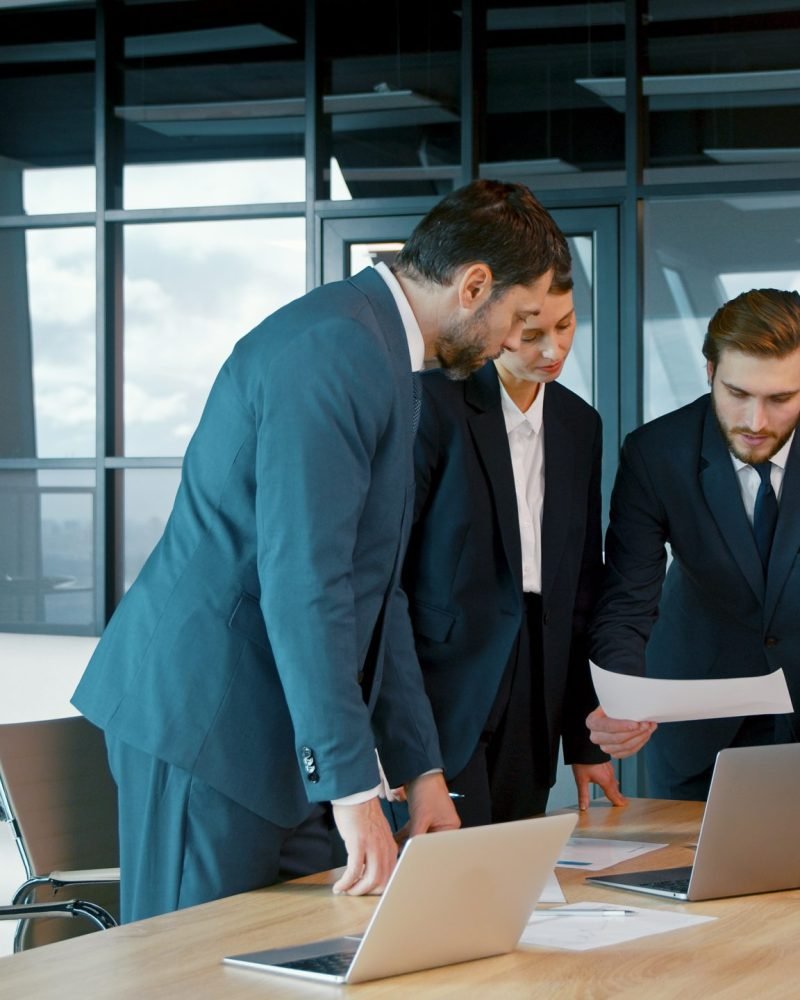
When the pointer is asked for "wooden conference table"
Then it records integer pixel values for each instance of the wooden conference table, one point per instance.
(752, 950)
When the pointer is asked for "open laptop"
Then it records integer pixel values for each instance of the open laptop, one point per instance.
(750, 836)
(452, 897)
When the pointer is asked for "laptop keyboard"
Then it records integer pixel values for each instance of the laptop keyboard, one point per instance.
(335, 964)
(668, 884)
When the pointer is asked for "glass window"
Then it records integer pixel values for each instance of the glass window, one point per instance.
(47, 97)
(210, 99)
(224, 182)
(578, 373)
(722, 87)
(546, 124)
(47, 343)
(698, 254)
(191, 291)
(47, 548)
(149, 495)
(392, 109)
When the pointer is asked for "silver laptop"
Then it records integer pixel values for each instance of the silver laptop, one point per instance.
(750, 836)
(453, 896)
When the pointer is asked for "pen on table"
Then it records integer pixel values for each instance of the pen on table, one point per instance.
(577, 864)
(587, 911)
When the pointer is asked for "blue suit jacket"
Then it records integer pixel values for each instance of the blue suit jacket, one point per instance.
(238, 652)
(463, 571)
(715, 615)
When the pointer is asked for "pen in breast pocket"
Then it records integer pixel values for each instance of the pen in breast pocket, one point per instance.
(456, 795)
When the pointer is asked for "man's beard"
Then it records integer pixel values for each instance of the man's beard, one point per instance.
(774, 442)
(460, 346)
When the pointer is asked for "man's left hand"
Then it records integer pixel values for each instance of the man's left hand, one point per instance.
(430, 807)
(598, 774)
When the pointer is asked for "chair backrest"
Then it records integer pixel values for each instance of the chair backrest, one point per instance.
(56, 779)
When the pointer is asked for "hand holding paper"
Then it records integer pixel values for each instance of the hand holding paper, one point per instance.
(655, 700)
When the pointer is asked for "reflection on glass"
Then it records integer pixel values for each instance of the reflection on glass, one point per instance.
(191, 291)
(47, 548)
(227, 182)
(722, 89)
(698, 254)
(47, 343)
(149, 495)
(47, 101)
(578, 372)
(393, 106)
(546, 126)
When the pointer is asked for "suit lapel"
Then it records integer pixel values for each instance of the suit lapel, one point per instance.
(786, 542)
(724, 499)
(488, 429)
(559, 476)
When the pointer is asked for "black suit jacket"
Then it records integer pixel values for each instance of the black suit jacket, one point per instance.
(463, 571)
(713, 614)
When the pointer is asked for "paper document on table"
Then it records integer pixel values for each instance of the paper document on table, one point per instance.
(594, 853)
(584, 931)
(552, 892)
(651, 699)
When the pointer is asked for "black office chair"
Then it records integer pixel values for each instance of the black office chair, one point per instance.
(58, 795)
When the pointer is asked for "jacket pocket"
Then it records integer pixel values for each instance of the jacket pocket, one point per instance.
(434, 623)
(248, 621)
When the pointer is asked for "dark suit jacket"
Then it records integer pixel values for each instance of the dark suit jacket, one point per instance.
(238, 652)
(715, 616)
(463, 572)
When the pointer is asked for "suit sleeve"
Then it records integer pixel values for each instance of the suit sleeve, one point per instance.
(319, 435)
(581, 699)
(636, 561)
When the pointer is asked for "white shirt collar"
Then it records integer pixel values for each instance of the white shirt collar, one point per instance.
(416, 345)
(513, 415)
(779, 458)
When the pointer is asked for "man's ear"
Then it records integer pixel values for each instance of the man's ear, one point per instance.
(710, 371)
(475, 286)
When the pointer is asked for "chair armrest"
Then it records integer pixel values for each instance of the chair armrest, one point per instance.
(86, 876)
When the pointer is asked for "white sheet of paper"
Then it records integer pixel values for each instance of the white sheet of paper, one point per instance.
(579, 933)
(594, 853)
(651, 699)
(552, 892)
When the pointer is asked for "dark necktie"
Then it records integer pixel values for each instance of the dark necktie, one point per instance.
(765, 513)
(416, 406)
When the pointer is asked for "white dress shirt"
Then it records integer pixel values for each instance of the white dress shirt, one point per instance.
(526, 442)
(749, 479)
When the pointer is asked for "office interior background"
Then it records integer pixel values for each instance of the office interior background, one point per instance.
(171, 172)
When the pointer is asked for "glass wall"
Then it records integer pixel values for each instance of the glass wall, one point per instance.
(704, 251)
(168, 170)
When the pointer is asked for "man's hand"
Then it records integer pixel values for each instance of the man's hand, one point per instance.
(371, 850)
(618, 737)
(430, 807)
(598, 774)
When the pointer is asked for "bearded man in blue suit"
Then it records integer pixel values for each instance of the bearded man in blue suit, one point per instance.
(719, 481)
(264, 653)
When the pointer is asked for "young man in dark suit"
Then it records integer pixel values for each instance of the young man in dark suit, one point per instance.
(719, 481)
(502, 572)
(259, 660)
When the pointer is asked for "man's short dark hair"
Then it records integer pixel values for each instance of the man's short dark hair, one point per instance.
(501, 225)
(763, 321)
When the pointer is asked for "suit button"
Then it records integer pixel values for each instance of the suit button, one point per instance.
(770, 641)
(545, 618)
(309, 763)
